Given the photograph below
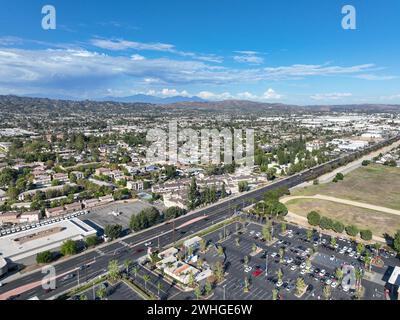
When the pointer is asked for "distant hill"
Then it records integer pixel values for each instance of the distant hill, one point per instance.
(26, 105)
(143, 98)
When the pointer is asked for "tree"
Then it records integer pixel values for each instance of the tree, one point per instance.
(359, 276)
(127, 265)
(112, 231)
(338, 227)
(314, 218)
(208, 287)
(135, 270)
(243, 186)
(365, 163)
(203, 245)
(146, 278)
(145, 219)
(274, 294)
(193, 195)
(333, 242)
(339, 176)
(159, 287)
(360, 248)
(113, 270)
(339, 274)
(101, 292)
(366, 235)
(266, 232)
(69, 248)
(325, 223)
(352, 230)
(44, 257)
(300, 286)
(246, 260)
(396, 241)
(237, 241)
(279, 274)
(91, 241)
(327, 292)
(197, 292)
(220, 250)
(174, 212)
(219, 271)
(309, 235)
(283, 227)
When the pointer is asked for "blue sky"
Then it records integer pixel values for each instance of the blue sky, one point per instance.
(264, 50)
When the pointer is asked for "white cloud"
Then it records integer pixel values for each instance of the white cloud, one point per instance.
(270, 94)
(119, 44)
(137, 57)
(374, 77)
(207, 95)
(330, 96)
(250, 57)
(84, 73)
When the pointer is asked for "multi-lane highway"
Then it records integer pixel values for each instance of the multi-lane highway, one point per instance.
(133, 246)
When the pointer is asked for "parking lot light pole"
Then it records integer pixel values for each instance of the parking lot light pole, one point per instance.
(224, 291)
(266, 264)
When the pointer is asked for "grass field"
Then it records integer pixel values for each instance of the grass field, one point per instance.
(375, 184)
(379, 223)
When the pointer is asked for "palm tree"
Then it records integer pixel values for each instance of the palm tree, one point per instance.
(159, 287)
(135, 270)
(359, 276)
(237, 240)
(101, 292)
(309, 235)
(300, 285)
(127, 264)
(146, 278)
(339, 274)
(246, 260)
(274, 294)
(279, 274)
(197, 292)
(327, 292)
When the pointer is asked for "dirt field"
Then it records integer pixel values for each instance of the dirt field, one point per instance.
(375, 184)
(379, 223)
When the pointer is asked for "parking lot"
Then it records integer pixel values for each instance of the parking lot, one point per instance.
(119, 291)
(114, 213)
(263, 268)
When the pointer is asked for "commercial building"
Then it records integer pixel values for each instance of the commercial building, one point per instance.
(3, 266)
(28, 243)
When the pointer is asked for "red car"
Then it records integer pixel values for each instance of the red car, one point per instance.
(257, 272)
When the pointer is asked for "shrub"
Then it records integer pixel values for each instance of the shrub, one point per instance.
(314, 218)
(69, 248)
(326, 223)
(352, 230)
(44, 257)
(366, 235)
(338, 227)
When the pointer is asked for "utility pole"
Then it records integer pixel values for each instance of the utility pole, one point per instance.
(266, 264)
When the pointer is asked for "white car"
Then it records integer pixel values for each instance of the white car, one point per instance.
(252, 232)
(328, 281)
(293, 268)
(345, 289)
(289, 260)
(248, 269)
(332, 257)
(303, 271)
(351, 254)
(273, 254)
(322, 273)
(334, 284)
(147, 244)
(258, 234)
(344, 248)
(342, 251)
(303, 265)
(279, 284)
(349, 250)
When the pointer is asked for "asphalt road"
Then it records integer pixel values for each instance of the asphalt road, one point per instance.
(131, 247)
